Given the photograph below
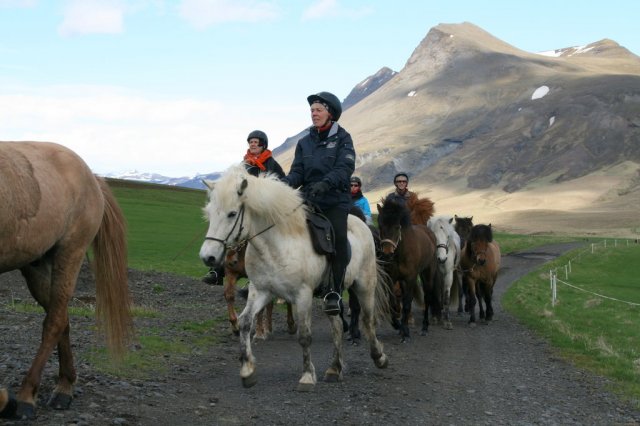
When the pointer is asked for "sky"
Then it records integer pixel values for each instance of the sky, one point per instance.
(175, 86)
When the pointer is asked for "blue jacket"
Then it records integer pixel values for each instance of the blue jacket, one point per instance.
(362, 203)
(328, 157)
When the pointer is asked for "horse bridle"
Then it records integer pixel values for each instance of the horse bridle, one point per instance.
(225, 242)
(395, 243)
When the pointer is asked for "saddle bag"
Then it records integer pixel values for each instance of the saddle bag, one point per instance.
(321, 232)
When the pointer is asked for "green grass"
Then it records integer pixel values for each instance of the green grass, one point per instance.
(165, 226)
(587, 326)
(515, 242)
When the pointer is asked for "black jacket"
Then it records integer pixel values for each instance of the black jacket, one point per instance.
(328, 157)
(272, 167)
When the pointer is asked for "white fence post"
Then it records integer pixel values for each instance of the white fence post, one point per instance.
(553, 290)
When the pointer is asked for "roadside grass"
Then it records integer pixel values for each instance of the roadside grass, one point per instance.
(586, 325)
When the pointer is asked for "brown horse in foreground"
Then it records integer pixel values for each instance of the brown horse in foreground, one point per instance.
(409, 252)
(53, 208)
(233, 271)
(463, 227)
(480, 263)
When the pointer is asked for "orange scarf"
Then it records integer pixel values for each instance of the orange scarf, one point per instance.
(257, 160)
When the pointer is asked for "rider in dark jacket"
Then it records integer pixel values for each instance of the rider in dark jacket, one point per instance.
(323, 163)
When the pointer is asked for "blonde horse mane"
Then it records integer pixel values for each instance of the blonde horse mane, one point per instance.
(265, 196)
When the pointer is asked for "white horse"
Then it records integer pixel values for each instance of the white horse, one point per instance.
(280, 261)
(448, 256)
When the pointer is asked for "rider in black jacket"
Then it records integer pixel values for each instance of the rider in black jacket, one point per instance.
(323, 163)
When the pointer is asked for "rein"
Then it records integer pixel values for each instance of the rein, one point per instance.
(394, 244)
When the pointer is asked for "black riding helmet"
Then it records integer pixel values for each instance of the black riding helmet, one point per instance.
(356, 179)
(400, 174)
(261, 136)
(330, 100)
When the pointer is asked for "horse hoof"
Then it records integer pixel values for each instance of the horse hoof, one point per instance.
(424, 332)
(355, 342)
(382, 362)
(472, 324)
(332, 377)
(8, 411)
(305, 387)
(292, 329)
(60, 401)
(25, 411)
(448, 326)
(249, 381)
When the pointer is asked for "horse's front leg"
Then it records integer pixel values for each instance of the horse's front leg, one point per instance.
(488, 296)
(480, 286)
(471, 299)
(256, 301)
(446, 301)
(303, 307)
(407, 300)
(229, 289)
(334, 372)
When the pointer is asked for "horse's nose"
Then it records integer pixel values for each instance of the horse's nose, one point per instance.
(481, 262)
(210, 261)
(442, 259)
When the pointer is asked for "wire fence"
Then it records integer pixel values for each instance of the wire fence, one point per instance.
(566, 268)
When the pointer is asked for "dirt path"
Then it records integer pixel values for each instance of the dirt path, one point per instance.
(492, 374)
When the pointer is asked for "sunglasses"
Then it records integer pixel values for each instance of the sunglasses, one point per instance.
(401, 181)
(354, 184)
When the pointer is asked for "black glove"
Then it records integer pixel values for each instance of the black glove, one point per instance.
(318, 188)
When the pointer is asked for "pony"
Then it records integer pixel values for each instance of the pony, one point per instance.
(463, 227)
(281, 261)
(480, 263)
(53, 209)
(410, 253)
(234, 270)
(448, 256)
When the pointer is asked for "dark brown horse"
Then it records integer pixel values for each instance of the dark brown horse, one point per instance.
(463, 227)
(233, 271)
(480, 263)
(409, 251)
(53, 209)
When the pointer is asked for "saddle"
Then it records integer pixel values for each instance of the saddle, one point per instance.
(321, 232)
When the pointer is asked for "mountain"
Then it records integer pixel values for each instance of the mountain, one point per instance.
(367, 87)
(470, 113)
(187, 182)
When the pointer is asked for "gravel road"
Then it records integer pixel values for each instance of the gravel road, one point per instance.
(491, 374)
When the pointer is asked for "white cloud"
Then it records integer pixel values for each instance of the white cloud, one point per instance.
(116, 130)
(332, 9)
(92, 16)
(204, 13)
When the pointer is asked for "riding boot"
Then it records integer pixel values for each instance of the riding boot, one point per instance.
(331, 302)
(215, 276)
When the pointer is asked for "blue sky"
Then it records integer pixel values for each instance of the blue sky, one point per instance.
(174, 87)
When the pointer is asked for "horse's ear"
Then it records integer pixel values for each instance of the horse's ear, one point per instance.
(379, 208)
(471, 218)
(209, 184)
(243, 186)
(455, 216)
(450, 220)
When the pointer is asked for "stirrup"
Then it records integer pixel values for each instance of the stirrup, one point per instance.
(331, 303)
(211, 278)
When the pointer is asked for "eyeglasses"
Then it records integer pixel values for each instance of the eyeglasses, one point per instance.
(354, 185)
(402, 181)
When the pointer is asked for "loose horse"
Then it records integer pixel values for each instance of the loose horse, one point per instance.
(480, 263)
(280, 261)
(410, 253)
(448, 256)
(234, 270)
(463, 227)
(53, 208)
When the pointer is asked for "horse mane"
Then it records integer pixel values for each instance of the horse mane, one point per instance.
(392, 212)
(264, 196)
(422, 209)
(481, 233)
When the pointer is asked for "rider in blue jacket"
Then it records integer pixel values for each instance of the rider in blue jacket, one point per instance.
(323, 163)
(359, 200)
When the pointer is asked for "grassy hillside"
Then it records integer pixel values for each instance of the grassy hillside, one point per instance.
(165, 226)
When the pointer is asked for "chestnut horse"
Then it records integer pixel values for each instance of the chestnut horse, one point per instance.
(480, 263)
(53, 208)
(233, 271)
(409, 251)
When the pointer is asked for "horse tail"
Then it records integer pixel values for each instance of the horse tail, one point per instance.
(383, 293)
(113, 304)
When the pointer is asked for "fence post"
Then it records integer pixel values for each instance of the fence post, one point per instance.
(566, 272)
(569, 266)
(553, 290)
(593, 248)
